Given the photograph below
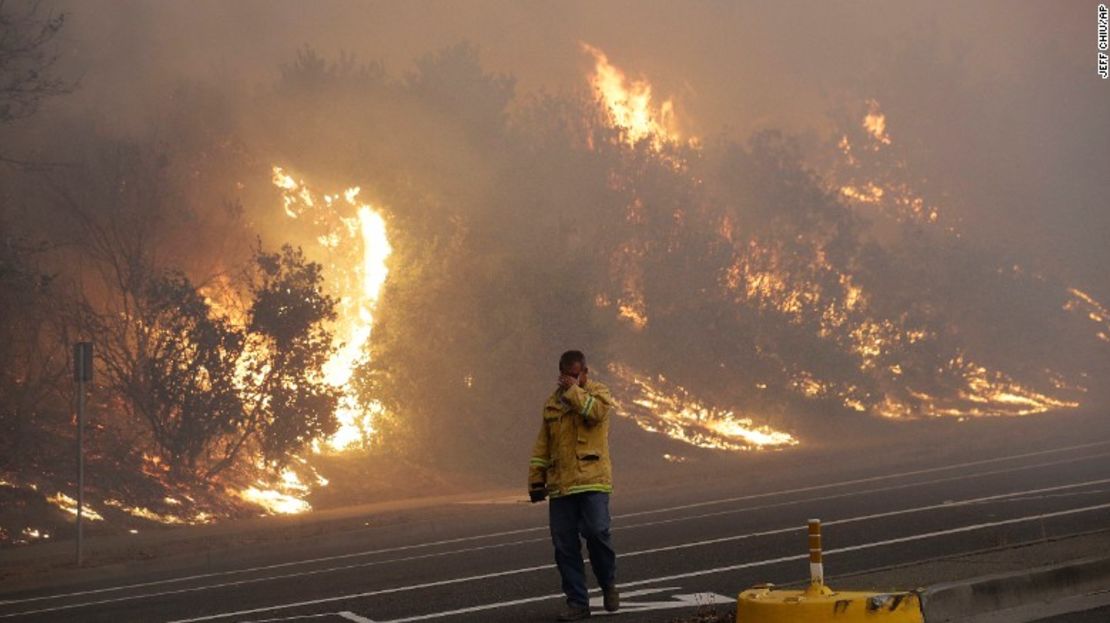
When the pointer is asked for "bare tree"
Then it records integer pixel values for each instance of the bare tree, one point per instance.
(27, 63)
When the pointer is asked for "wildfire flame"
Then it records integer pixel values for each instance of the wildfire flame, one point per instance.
(875, 123)
(1092, 309)
(163, 518)
(283, 496)
(358, 285)
(69, 505)
(630, 105)
(897, 198)
(275, 502)
(986, 393)
(677, 415)
(759, 275)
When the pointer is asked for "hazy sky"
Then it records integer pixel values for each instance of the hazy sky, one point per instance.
(727, 63)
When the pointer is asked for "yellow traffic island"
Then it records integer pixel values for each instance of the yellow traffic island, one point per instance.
(819, 603)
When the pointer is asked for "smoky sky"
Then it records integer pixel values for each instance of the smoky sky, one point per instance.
(998, 102)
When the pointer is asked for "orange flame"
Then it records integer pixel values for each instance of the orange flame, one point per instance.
(875, 123)
(359, 287)
(677, 415)
(629, 103)
(1093, 310)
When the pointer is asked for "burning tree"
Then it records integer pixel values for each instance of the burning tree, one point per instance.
(173, 364)
(209, 388)
(289, 403)
(208, 378)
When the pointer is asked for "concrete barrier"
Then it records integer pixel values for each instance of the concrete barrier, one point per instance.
(950, 602)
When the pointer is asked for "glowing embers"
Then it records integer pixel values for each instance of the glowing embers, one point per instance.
(626, 268)
(868, 193)
(27, 535)
(758, 275)
(354, 246)
(629, 103)
(1083, 303)
(869, 175)
(670, 410)
(874, 122)
(143, 512)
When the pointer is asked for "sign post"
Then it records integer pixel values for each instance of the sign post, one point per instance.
(82, 373)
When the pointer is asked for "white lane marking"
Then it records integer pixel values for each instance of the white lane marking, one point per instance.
(943, 505)
(680, 601)
(1058, 495)
(503, 604)
(677, 576)
(519, 531)
(691, 600)
(301, 617)
(351, 616)
(665, 578)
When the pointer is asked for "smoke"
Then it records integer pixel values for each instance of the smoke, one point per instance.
(751, 261)
(996, 99)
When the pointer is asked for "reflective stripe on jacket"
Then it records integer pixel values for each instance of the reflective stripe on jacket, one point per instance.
(571, 454)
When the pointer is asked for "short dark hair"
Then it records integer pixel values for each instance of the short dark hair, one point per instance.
(569, 358)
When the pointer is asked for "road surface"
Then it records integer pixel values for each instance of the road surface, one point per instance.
(677, 547)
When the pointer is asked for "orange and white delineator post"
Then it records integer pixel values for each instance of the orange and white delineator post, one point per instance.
(816, 567)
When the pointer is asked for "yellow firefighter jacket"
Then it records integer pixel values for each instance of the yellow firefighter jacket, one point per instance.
(571, 454)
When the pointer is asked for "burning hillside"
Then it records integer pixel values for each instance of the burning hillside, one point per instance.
(344, 265)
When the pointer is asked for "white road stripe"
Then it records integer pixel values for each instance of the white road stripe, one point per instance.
(351, 616)
(1058, 495)
(302, 617)
(667, 578)
(503, 604)
(202, 576)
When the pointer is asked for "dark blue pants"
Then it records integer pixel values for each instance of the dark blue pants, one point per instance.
(585, 514)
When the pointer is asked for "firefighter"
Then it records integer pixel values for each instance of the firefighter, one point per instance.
(570, 465)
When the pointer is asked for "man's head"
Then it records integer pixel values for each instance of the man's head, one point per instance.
(573, 363)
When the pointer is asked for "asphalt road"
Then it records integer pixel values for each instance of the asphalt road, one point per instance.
(677, 549)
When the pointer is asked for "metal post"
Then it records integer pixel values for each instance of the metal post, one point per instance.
(80, 466)
(82, 373)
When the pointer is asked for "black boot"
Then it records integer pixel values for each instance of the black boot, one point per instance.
(612, 598)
